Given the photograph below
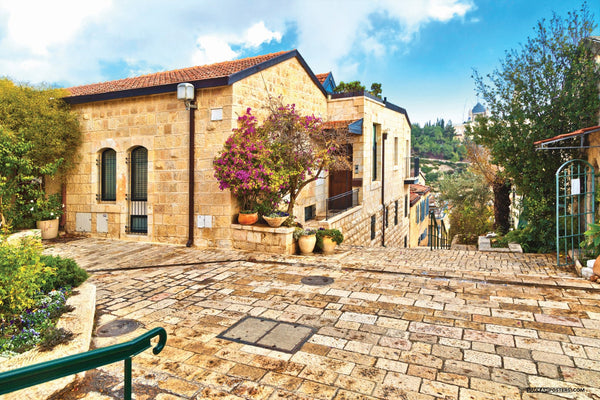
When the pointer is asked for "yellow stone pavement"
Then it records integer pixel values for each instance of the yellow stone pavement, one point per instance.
(394, 324)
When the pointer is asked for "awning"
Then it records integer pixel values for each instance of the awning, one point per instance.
(354, 125)
(546, 143)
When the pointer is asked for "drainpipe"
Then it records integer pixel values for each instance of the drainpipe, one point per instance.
(383, 188)
(190, 241)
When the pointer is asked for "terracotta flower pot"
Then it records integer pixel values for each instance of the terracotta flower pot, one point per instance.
(247, 219)
(596, 268)
(49, 228)
(307, 243)
(328, 245)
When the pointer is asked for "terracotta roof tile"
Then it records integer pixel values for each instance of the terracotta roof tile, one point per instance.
(419, 189)
(568, 135)
(322, 77)
(197, 73)
(337, 124)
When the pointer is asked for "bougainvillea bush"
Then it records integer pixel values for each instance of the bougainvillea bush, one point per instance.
(263, 164)
(246, 166)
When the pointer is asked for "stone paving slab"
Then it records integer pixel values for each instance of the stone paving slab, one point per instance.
(383, 328)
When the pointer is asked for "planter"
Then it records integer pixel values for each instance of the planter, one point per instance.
(596, 267)
(247, 219)
(49, 228)
(307, 243)
(275, 222)
(328, 245)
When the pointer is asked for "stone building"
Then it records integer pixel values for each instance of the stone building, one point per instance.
(144, 171)
(420, 199)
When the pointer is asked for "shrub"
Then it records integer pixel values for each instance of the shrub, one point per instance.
(22, 274)
(334, 234)
(67, 273)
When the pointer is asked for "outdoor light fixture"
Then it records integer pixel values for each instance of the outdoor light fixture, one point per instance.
(186, 92)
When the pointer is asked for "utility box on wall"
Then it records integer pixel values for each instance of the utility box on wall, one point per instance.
(83, 222)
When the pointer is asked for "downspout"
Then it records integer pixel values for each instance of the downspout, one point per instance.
(190, 241)
(383, 189)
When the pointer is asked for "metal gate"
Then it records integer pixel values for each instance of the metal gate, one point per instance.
(574, 208)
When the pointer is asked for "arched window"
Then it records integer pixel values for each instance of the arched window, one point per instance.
(108, 175)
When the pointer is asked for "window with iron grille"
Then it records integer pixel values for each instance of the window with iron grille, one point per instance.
(373, 220)
(108, 175)
(396, 212)
(310, 212)
(406, 206)
(139, 191)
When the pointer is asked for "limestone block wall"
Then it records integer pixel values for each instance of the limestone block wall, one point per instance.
(263, 239)
(159, 123)
(397, 148)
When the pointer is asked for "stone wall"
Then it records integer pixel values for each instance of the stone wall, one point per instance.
(263, 239)
(397, 148)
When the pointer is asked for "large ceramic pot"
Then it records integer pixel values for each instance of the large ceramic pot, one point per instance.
(275, 222)
(49, 228)
(247, 219)
(307, 243)
(596, 268)
(328, 245)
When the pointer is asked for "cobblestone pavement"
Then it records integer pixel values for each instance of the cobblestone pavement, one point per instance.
(394, 324)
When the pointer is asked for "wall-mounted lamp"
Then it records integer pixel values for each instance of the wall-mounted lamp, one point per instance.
(187, 93)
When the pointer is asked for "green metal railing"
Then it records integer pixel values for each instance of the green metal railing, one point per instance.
(32, 375)
(438, 235)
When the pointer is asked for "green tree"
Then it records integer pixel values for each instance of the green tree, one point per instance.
(468, 195)
(42, 118)
(376, 89)
(547, 87)
(354, 86)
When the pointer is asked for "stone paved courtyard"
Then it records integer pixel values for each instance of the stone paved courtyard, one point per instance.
(394, 324)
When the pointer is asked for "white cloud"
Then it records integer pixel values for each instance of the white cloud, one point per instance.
(215, 48)
(258, 34)
(78, 42)
(37, 25)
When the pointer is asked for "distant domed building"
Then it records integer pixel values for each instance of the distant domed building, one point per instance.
(478, 110)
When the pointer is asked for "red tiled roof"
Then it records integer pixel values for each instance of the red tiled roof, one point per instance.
(416, 191)
(337, 124)
(322, 77)
(568, 135)
(197, 73)
(419, 189)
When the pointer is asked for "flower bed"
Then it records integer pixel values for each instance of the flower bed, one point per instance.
(36, 325)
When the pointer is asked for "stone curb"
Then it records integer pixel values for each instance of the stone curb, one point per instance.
(80, 321)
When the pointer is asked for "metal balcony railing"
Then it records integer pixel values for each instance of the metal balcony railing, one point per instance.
(438, 235)
(340, 203)
(32, 375)
(412, 169)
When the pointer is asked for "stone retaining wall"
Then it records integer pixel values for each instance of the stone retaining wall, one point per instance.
(263, 238)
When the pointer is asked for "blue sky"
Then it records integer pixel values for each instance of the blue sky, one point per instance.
(422, 51)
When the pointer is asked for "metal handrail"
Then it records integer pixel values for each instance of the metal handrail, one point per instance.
(353, 202)
(438, 235)
(32, 375)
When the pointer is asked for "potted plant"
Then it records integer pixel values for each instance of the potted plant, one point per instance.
(307, 238)
(327, 239)
(47, 211)
(276, 218)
